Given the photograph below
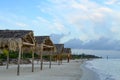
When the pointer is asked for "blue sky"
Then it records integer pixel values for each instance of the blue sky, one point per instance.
(77, 19)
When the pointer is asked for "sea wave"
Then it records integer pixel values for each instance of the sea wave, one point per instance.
(106, 69)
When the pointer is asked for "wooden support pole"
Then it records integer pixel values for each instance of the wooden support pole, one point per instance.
(50, 58)
(58, 59)
(22, 56)
(61, 58)
(41, 57)
(7, 61)
(68, 58)
(41, 60)
(19, 58)
(32, 59)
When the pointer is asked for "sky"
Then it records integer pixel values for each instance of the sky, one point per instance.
(86, 22)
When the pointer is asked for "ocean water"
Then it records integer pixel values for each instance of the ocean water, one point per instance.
(107, 69)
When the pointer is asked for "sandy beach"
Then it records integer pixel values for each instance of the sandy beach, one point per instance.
(66, 71)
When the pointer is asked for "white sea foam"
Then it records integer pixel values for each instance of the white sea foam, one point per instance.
(106, 69)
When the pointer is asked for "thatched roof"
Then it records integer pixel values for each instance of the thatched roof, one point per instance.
(13, 33)
(59, 48)
(12, 39)
(45, 41)
(67, 50)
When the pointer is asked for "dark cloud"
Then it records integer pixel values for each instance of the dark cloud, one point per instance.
(74, 43)
(100, 44)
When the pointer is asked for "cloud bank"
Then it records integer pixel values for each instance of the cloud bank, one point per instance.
(100, 44)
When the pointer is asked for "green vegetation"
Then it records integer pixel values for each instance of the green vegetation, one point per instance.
(14, 55)
(83, 56)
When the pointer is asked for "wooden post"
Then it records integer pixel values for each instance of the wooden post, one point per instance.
(32, 59)
(41, 57)
(19, 58)
(41, 60)
(61, 58)
(68, 58)
(7, 61)
(58, 59)
(50, 58)
(22, 54)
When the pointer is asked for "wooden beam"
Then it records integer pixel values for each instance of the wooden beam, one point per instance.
(26, 40)
(29, 44)
(32, 38)
(48, 46)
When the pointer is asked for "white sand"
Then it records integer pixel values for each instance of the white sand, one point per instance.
(66, 71)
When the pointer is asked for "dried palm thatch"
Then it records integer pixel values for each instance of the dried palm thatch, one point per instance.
(67, 51)
(58, 53)
(15, 40)
(12, 39)
(10, 43)
(44, 43)
(59, 48)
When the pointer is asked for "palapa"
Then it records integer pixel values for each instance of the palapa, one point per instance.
(59, 51)
(15, 40)
(44, 45)
(67, 52)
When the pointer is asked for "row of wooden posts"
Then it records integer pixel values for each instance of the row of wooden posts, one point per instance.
(25, 41)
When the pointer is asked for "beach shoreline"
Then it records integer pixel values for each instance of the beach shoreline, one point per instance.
(88, 74)
(75, 70)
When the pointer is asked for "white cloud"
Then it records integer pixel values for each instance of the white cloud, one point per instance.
(97, 17)
(115, 29)
(58, 26)
(116, 32)
(78, 13)
(82, 16)
(79, 6)
(42, 20)
(105, 10)
(20, 24)
(13, 21)
(52, 26)
(109, 2)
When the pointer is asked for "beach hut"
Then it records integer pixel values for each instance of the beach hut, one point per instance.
(59, 51)
(16, 40)
(44, 46)
(67, 52)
